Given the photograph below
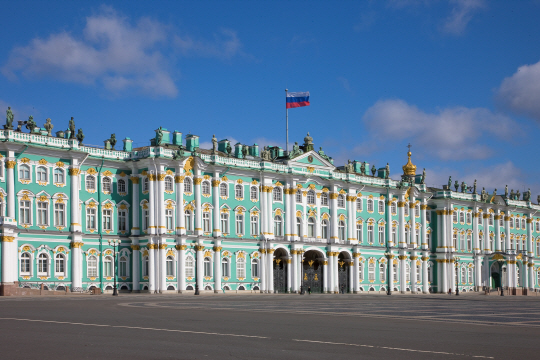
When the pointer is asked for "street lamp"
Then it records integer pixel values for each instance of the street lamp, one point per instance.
(115, 244)
(389, 256)
(501, 262)
(456, 262)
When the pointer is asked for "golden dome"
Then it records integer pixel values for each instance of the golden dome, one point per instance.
(409, 169)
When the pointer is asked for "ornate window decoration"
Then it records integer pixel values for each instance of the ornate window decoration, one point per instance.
(370, 232)
(311, 197)
(123, 220)
(359, 204)
(381, 232)
(59, 175)
(299, 227)
(42, 175)
(42, 211)
(341, 230)
(223, 190)
(361, 271)
(311, 227)
(241, 266)
(461, 217)
(206, 222)
(455, 216)
(90, 183)
(169, 265)
(25, 175)
(359, 230)
(59, 265)
(43, 266)
(341, 201)
(207, 268)
(25, 208)
(91, 214)
(190, 267)
(371, 270)
(382, 272)
(168, 183)
(278, 226)
(277, 194)
(393, 208)
(188, 216)
(188, 186)
(225, 268)
(254, 193)
(123, 266)
(107, 185)
(239, 192)
(469, 218)
(145, 185)
(205, 188)
(224, 219)
(324, 229)
(107, 217)
(121, 187)
(370, 206)
(25, 262)
(255, 269)
(254, 224)
(324, 199)
(406, 210)
(381, 206)
(239, 222)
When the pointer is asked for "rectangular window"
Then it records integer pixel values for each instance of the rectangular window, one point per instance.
(239, 224)
(145, 219)
(254, 225)
(169, 219)
(91, 218)
(370, 231)
(59, 214)
(255, 269)
(107, 219)
(122, 220)
(24, 212)
(359, 232)
(381, 207)
(381, 235)
(224, 223)
(42, 214)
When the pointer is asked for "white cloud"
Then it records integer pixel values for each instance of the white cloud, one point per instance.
(451, 133)
(521, 91)
(114, 53)
(462, 13)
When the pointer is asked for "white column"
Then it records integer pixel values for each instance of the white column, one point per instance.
(356, 269)
(318, 234)
(300, 273)
(135, 227)
(401, 214)
(478, 271)
(388, 217)
(423, 218)
(443, 276)
(270, 274)
(76, 258)
(326, 276)
(351, 217)
(180, 218)
(217, 213)
(289, 274)
(289, 213)
(413, 258)
(497, 218)
(294, 277)
(507, 231)
(391, 271)
(425, 276)
(10, 165)
(198, 211)
(136, 272)
(331, 285)
(74, 200)
(162, 267)
(452, 270)
(181, 275)
(412, 224)
(530, 248)
(9, 259)
(402, 273)
(162, 228)
(335, 266)
(334, 217)
(151, 268)
(351, 277)
(476, 242)
(200, 266)
(262, 250)
(263, 219)
(530, 270)
(152, 226)
(217, 266)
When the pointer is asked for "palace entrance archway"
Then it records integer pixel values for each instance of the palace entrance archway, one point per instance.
(280, 271)
(312, 274)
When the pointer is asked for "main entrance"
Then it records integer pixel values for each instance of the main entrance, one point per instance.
(280, 271)
(312, 275)
(343, 273)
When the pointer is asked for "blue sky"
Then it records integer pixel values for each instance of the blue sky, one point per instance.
(459, 80)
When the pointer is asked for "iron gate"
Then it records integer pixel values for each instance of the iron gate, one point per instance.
(280, 276)
(343, 277)
(313, 279)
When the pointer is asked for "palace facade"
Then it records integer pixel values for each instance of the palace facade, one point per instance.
(237, 217)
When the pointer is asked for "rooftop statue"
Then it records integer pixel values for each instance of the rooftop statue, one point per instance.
(214, 144)
(80, 136)
(72, 129)
(363, 168)
(494, 193)
(484, 195)
(463, 187)
(295, 151)
(450, 183)
(512, 194)
(9, 119)
(31, 124)
(474, 187)
(538, 199)
(349, 167)
(323, 155)
(48, 126)
(456, 185)
(527, 195)
(112, 141)
(228, 148)
(308, 143)
(506, 191)
(20, 123)
(387, 175)
(159, 136)
(423, 179)
(265, 154)
(517, 195)
(373, 170)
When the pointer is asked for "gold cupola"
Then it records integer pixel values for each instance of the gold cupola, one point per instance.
(409, 169)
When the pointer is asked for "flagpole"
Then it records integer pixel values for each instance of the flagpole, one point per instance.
(287, 125)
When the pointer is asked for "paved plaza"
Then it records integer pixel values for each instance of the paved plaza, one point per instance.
(270, 326)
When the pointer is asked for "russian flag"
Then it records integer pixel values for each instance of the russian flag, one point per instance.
(297, 99)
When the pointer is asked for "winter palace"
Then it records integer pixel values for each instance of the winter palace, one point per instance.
(236, 217)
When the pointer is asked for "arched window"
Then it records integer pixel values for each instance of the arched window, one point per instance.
(25, 263)
(341, 201)
(462, 245)
(341, 230)
(206, 222)
(490, 220)
(254, 225)
(523, 224)
(123, 265)
(254, 268)
(359, 204)
(241, 268)
(253, 193)
(299, 196)
(311, 197)
(393, 208)
(90, 183)
(187, 185)
(324, 229)
(359, 232)
(225, 268)
(370, 234)
(207, 267)
(188, 217)
(223, 190)
(224, 223)
(417, 211)
(394, 235)
(370, 205)
(382, 273)
(59, 265)
(381, 207)
(169, 184)
(106, 185)
(454, 241)
(24, 172)
(239, 191)
(470, 275)
(58, 176)
(277, 194)
(205, 188)
(455, 217)
(469, 216)
(463, 276)
(145, 269)
(239, 224)
(121, 186)
(43, 264)
(324, 199)
(277, 226)
(371, 272)
(381, 234)
(469, 242)
(190, 267)
(42, 174)
(299, 227)
(311, 228)
(146, 184)
(108, 266)
(92, 266)
(461, 217)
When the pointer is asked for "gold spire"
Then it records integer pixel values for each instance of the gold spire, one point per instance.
(409, 169)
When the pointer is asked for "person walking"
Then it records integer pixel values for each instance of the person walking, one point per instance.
(309, 290)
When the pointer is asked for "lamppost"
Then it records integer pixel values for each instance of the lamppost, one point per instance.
(115, 244)
(456, 262)
(501, 262)
(389, 256)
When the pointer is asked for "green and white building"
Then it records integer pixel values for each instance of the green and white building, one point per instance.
(238, 217)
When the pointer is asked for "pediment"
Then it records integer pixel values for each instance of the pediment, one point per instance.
(313, 159)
